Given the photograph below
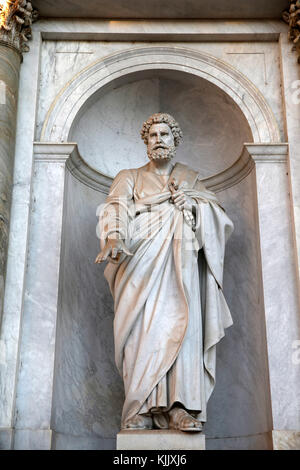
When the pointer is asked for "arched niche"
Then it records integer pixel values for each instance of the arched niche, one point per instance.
(88, 393)
(107, 128)
(76, 94)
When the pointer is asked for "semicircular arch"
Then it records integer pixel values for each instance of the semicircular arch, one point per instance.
(65, 108)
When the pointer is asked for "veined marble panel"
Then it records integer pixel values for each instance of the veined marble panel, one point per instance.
(37, 345)
(291, 98)
(62, 60)
(279, 269)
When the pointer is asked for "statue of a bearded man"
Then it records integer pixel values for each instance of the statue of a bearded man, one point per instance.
(164, 236)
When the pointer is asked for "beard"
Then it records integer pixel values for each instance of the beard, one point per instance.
(160, 153)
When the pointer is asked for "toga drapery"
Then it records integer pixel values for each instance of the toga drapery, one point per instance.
(170, 311)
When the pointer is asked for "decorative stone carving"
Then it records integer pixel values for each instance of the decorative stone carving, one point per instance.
(16, 18)
(292, 18)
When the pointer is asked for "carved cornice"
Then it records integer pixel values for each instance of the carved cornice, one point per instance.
(292, 17)
(240, 169)
(268, 153)
(16, 18)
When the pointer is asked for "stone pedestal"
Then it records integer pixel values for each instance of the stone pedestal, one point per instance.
(160, 440)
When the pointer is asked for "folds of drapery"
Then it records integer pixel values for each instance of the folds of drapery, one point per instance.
(154, 231)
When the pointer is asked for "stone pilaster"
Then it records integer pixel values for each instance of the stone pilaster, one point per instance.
(280, 288)
(34, 390)
(16, 17)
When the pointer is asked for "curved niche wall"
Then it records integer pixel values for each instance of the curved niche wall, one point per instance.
(88, 392)
(107, 129)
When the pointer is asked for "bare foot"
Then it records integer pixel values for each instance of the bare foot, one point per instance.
(181, 420)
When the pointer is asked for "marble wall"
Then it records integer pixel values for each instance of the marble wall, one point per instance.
(61, 388)
(33, 394)
(61, 61)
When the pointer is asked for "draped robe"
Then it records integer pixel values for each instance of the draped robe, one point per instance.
(170, 311)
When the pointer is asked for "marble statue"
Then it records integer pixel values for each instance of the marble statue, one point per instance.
(164, 234)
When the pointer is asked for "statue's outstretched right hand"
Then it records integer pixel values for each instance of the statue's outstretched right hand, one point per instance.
(113, 250)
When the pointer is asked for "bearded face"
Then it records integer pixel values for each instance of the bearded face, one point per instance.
(160, 142)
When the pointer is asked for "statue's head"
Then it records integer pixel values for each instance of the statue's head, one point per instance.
(162, 134)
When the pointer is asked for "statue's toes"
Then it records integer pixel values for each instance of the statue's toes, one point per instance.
(138, 422)
(181, 420)
(190, 424)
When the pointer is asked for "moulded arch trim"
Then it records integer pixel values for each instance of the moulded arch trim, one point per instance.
(63, 111)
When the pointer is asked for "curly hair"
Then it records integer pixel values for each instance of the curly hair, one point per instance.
(158, 118)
